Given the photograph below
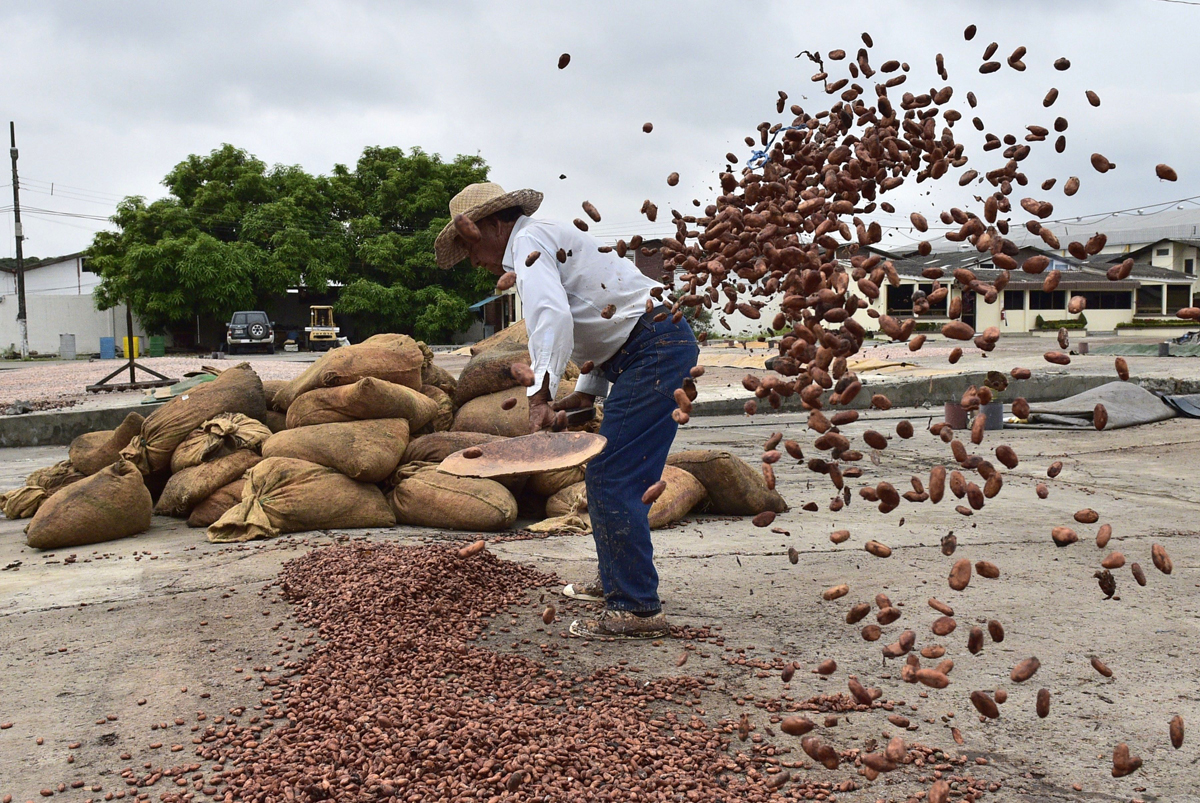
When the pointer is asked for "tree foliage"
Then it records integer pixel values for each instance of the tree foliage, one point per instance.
(233, 233)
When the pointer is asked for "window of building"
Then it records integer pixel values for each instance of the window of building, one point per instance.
(1189, 267)
(1178, 297)
(1149, 299)
(1040, 299)
(1162, 252)
(899, 299)
(1014, 299)
(1108, 299)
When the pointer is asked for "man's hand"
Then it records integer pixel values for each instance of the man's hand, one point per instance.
(541, 416)
(575, 401)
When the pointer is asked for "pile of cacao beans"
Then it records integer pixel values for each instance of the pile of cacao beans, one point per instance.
(410, 694)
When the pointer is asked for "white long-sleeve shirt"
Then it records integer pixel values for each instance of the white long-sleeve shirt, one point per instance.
(563, 301)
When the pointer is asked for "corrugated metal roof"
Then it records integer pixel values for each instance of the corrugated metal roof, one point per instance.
(1125, 229)
(1076, 275)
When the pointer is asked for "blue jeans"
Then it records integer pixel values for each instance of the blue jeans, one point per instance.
(645, 374)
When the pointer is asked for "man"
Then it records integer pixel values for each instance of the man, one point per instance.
(590, 306)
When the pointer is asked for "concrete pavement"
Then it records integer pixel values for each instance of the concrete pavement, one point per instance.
(86, 638)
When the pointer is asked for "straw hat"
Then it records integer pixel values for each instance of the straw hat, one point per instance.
(476, 202)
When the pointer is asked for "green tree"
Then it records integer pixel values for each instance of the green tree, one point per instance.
(393, 204)
(431, 313)
(233, 233)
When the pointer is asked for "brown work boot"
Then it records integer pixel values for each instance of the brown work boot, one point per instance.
(585, 592)
(621, 624)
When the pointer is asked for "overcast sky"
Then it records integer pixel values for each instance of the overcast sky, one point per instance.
(108, 96)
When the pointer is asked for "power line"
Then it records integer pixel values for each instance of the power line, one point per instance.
(79, 190)
(55, 213)
(71, 197)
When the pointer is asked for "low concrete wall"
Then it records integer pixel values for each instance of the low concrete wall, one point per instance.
(949, 388)
(60, 427)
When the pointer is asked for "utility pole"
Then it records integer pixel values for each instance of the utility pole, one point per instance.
(22, 327)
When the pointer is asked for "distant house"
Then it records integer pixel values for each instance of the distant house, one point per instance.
(1165, 248)
(58, 300)
(1148, 293)
(1169, 240)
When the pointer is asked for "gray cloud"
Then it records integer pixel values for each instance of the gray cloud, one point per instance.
(108, 96)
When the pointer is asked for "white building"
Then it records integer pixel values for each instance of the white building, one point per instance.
(58, 300)
(1169, 239)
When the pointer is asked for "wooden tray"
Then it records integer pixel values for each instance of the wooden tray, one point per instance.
(528, 454)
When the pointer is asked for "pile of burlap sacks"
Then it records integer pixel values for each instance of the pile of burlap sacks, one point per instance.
(354, 441)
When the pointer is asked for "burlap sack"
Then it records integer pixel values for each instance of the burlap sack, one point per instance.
(112, 503)
(734, 488)
(513, 336)
(214, 507)
(489, 372)
(683, 493)
(438, 446)
(562, 524)
(275, 420)
(93, 451)
(285, 495)
(445, 409)
(392, 358)
(217, 437)
(236, 390)
(367, 451)
(572, 499)
(23, 502)
(401, 343)
(548, 483)
(194, 484)
(487, 413)
(53, 479)
(271, 387)
(426, 354)
(440, 378)
(366, 398)
(431, 498)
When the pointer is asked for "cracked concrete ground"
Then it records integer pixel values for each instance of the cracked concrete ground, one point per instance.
(191, 627)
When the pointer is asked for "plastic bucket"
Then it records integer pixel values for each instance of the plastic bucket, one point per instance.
(955, 415)
(993, 415)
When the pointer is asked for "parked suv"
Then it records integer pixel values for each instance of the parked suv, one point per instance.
(252, 329)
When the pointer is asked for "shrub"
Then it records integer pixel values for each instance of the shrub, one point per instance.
(1063, 323)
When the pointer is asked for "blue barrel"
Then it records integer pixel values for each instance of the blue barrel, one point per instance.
(108, 348)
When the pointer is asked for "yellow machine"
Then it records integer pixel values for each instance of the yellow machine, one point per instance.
(322, 334)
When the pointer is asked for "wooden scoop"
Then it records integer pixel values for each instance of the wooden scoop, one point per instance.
(528, 454)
